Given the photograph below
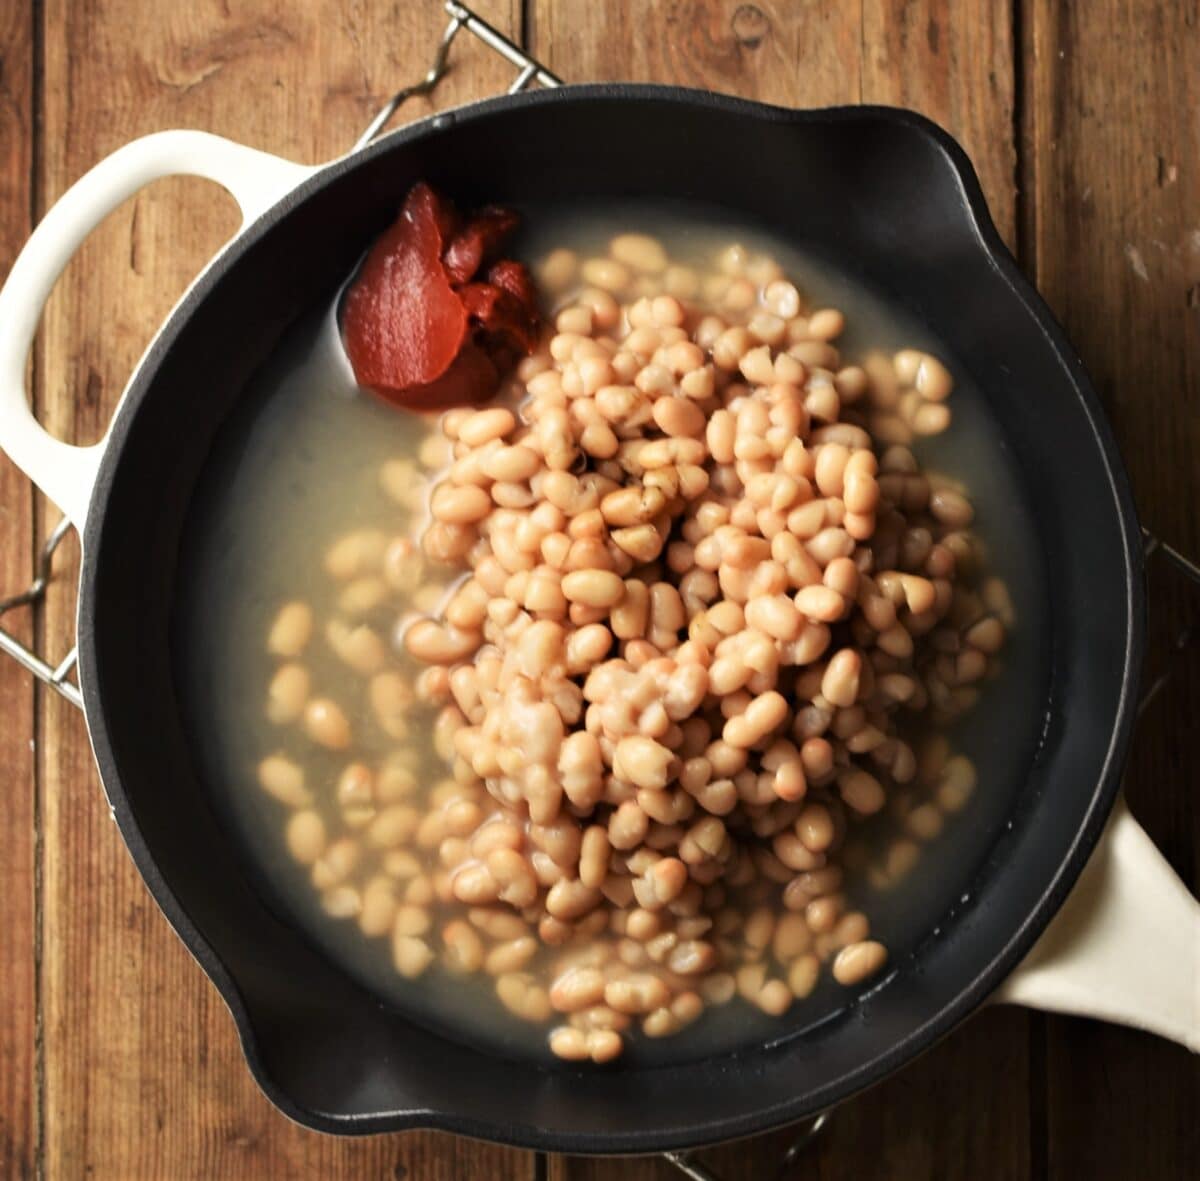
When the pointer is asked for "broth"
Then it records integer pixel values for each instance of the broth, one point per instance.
(298, 465)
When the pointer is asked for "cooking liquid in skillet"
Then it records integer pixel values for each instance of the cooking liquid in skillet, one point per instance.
(297, 466)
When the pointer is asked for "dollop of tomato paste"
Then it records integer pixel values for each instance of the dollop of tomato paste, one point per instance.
(435, 317)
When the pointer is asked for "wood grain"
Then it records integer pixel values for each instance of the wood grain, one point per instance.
(139, 1074)
(796, 55)
(1113, 225)
(792, 54)
(143, 1076)
(18, 1011)
(955, 64)
(947, 1115)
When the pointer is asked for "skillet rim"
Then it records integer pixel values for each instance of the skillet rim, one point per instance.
(984, 980)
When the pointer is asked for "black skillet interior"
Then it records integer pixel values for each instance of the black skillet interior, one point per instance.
(889, 195)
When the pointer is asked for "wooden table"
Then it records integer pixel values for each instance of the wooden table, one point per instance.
(117, 1059)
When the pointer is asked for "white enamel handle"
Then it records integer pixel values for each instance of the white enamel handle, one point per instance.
(256, 180)
(1125, 947)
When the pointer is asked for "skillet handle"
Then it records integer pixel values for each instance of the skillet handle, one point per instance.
(256, 180)
(1125, 947)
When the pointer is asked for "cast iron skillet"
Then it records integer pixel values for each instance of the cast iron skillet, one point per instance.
(881, 192)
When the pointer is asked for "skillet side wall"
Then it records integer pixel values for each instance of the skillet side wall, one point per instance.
(880, 193)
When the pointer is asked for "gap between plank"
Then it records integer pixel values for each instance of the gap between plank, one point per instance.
(37, 18)
(1024, 59)
(1039, 1131)
(862, 44)
(525, 36)
(1024, 126)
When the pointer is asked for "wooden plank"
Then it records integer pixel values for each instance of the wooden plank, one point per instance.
(791, 54)
(1112, 124)
(950, 1114)
(18, 1013)
(955, 65)
(143, 1075)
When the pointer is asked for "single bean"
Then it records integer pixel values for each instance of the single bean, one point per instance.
(593, 588)
(518, 886)
(594, 856)
(931, 419)
(802, 975)
(861, 790)
(358, 553)
(291, 630)
(815, 827)
(840, 682)
(661, 883)
(484, 425)
(606, 273)
(411, 955)
(558, 269)
(282, 778)
(643, 762)
(569, 899)
(820, 603)
(326, 724)
(305, 836)
(336, 863)
(511, 956)
(577, 988)
(463, 949)
(637, 993)
(639, 251)
(857, 962)
(764, 714)
(392, 826)
(433, 643)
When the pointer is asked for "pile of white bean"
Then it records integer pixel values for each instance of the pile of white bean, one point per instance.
(704, 592)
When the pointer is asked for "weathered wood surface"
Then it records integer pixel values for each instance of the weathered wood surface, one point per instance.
(117, 1061)
(18, 842)
(1111, 233)
(141, 1074)
(953, 63)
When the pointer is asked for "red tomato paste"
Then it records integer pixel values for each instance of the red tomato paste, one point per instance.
(435, 317)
